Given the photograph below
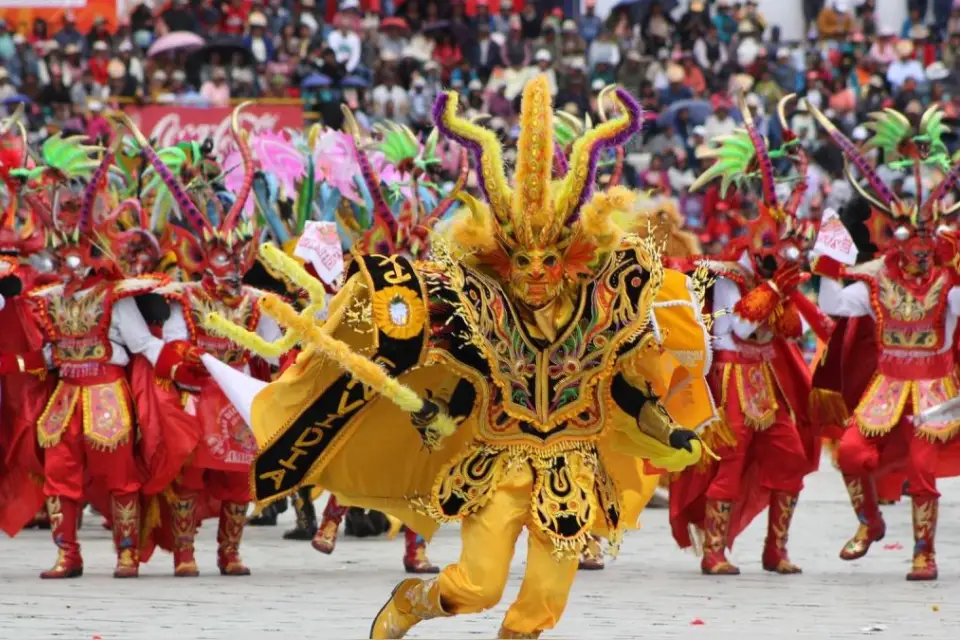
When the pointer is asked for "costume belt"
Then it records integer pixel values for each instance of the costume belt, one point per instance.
(85, 374)
(921, 367)
(747, 354)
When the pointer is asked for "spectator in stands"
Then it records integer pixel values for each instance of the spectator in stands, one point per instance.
(905, 66)
(68, 34)
(216, 91)
(835, 21)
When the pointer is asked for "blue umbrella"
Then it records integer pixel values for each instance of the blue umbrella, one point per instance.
(17, 99)
(355, 82)
(316, 80)
(697, 110)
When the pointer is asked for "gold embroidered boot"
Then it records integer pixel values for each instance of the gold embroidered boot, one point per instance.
(715, 527)
(63, 526)
(412, 601)
(775, 559)
(872, 528)
(592, 557)
(233, 517)
(184, 532)
(126, 534)
(924, 529)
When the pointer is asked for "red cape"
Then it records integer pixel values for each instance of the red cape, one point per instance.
(688, 489)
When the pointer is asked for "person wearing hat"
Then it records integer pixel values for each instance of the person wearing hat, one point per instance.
(543, 65)
(68, 33)
(485, 53)
(676, 89)
(24, 60)
(709, 52)
(905, 66)
(500, 23)
(693, 24)
(256, 39)
(591, 25)
(346, 43)
(7, 90)
(86, 88)
(216, 91)
(725, 22)
(835, 21)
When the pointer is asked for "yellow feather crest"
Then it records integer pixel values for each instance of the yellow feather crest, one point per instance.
(532, 205)
(598, 217)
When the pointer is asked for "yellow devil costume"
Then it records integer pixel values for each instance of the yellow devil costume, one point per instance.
(537, 355)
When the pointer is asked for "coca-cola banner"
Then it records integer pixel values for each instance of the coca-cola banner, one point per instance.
(167, 125)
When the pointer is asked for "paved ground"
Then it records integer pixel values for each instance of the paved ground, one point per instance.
(652, 591)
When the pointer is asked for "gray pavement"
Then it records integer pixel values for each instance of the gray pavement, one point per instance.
(653, 590)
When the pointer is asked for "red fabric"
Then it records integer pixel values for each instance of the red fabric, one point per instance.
(774, 459)
(168, 436)
(66, 463)
(23, 398)
(227, 443)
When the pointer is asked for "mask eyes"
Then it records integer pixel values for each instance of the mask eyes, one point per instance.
(73, 261)
(522, 261)
(550, 261)
(220, 260)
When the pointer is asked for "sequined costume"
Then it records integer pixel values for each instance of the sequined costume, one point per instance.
(534, 355)
(91, 326)
(912, 297)
(759, 377)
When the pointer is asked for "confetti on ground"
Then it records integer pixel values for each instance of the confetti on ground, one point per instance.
(935, 607)
(697, 622)
(894, 546)
(874, 628)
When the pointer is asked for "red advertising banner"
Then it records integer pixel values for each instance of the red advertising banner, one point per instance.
(168, 125)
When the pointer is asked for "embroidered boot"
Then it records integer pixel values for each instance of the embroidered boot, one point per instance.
(863, 499)
(412, 601)
(233, 516)
(63, 526)
(716, 526)
(326, 538)
(184, 533)
(506, 633)
(126, 534)
(592, 557)
(306, 526)
(924, 530)
(415, 558)
(775, 558)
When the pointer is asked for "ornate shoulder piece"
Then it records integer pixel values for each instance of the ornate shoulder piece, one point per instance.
(727, 269)
(46, 291)
(866, 270)
(139, 286)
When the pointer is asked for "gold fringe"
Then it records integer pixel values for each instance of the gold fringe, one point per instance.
(150, 520)
(828, 407)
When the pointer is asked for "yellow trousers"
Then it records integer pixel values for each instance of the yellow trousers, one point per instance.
(489, 537)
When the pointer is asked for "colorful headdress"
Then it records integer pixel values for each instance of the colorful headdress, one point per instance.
(20, 232)
(904, 148)
(222, 248)
(743, 157)
(538, 211)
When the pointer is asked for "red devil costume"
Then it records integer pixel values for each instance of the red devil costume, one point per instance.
(219, 469)
(759, 377)
(914, 302)
(87, 429)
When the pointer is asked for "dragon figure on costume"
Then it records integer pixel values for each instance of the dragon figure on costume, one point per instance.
(536, 355)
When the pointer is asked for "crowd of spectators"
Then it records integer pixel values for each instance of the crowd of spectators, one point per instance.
(685, 65)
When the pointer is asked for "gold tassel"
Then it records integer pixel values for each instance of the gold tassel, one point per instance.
(827, 407)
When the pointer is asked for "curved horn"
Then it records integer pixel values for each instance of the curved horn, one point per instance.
(97, 180)
(578, 185)
(621, 155)
(240, 136)
(767, 179)
(782, 110)
(863, 192)
(882, 191)
(186, 204)
(486, 150)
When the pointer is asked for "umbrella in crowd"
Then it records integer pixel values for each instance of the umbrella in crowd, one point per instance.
(18, 98)
(394, 23)
(316, 80)
(225, 48)
(355, 82)
(697, 110)
(176, 41)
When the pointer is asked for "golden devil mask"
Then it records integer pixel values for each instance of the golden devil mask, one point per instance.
(548, 230)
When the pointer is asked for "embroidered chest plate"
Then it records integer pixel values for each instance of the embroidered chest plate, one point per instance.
(544, 389)
(197, 306)
(909, 319)
(77, 325)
